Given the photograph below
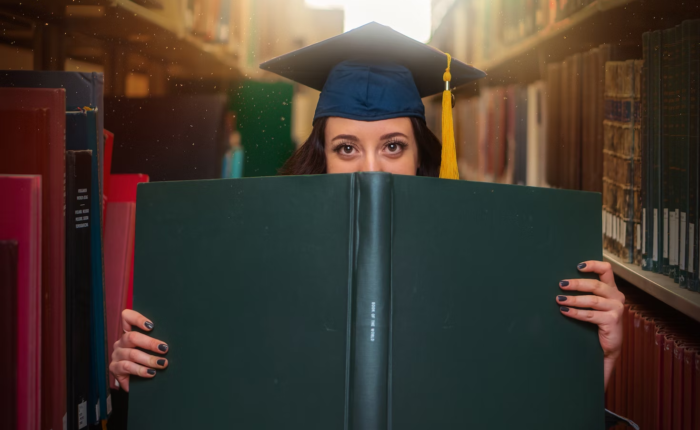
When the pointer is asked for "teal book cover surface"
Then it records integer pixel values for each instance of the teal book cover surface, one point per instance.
(365, 301)
(81, 134)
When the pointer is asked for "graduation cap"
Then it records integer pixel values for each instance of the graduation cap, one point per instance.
(373, 73)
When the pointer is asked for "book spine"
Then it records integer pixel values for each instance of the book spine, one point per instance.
(694, 153)
(646, 153)
(634, 230)
(371, 302)
(675, 154)
(665, 163)
(683, 138)
(655, 146)
(78, 221)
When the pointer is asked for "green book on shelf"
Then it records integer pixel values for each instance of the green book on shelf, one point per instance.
(365, 301)
(694, 152)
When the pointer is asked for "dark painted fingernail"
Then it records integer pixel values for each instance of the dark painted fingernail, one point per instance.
(564, 309)
(561, 298)
(581, 266)
(163, 347)
(151, 372)
(161, 362)
(149, 325)
(564, 283)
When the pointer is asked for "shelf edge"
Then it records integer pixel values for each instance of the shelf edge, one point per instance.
(659, 286)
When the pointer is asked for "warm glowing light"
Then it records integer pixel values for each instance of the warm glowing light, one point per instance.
(410, 17)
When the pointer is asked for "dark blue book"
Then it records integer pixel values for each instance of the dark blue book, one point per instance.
(81, 134)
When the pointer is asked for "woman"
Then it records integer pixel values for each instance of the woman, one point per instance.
(370, 118)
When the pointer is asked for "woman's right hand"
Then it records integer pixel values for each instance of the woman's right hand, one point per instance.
(127, 360)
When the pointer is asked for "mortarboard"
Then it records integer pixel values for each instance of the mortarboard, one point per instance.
(373, 73)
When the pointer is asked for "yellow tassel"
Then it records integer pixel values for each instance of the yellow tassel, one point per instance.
(448, 165)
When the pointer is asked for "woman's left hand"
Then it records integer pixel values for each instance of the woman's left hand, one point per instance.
(607, 302)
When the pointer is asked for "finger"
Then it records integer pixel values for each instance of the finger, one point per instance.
(123, 368)
(123, 382)
(593, 317)
(592, 286)
(131, 318)
(140, 357)
(602, 268)
(594, 302)
(133, 339)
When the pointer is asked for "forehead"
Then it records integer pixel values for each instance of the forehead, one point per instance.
(336, 126)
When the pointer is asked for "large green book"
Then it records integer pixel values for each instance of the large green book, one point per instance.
(365, 301)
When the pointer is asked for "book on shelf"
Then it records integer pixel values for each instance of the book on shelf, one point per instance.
(8, 333)
(79, 218)
(82, 135)
(622, 159)
(32, 126)
(670, 153)
(120, 222)
(371, 320)
(20, 222)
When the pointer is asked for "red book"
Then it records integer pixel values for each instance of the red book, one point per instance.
(20, 221)
(637, 370)
(696, 388)
(677, 398)
(621, 392)
(118, 255)
(657, 384)
(690, 399)
(8, 334)
(123, 189)
(649, 371)
(33, 142)
(667, 384)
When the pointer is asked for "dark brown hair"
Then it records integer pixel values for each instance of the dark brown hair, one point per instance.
(310, 158)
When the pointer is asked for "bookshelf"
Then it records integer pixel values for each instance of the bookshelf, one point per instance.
(660, 286)
(584, 16)
(100, 31)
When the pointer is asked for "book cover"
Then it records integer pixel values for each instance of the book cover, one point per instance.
(361, 305)
(124, 191)
(36, 118)
(120, 221)
(78, 289)
(20, 221)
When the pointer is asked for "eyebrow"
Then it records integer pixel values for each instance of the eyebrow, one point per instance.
(349, 137)
(395, 134)
(353, 138)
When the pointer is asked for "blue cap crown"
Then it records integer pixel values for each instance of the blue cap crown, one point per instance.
(369, 91)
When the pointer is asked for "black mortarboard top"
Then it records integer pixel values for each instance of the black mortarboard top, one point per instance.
(311, 65)
(373, 73)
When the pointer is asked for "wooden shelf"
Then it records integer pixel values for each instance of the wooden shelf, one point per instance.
(660, 286)
(135, 28)
(553, 31)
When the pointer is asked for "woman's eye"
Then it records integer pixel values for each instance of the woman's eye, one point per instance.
(347, 149)
(392, 147)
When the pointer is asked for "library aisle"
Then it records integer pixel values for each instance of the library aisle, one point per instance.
(102, 99)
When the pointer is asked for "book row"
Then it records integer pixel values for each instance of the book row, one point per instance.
(656, 381)
(68, 193)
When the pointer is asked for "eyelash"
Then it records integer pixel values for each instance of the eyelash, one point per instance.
(402, 145)
(399, 143)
